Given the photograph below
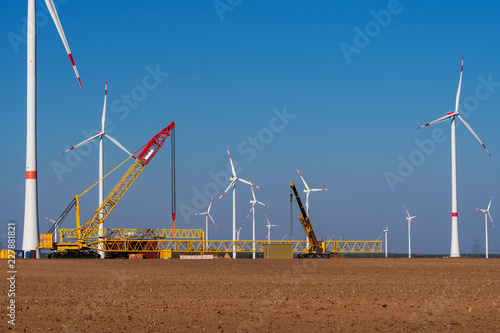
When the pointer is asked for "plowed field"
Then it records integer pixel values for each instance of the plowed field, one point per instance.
(299, 295)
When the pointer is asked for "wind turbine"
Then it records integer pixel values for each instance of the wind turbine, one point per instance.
(233, 180)
(486, 214)
(252, 210)
(308, 190)
(56, 228)
(269, 225)
(238, 232)
(409, 218)
(386, 230)
(207, 215)
(30, 233)
(100, 135)
(455, 248)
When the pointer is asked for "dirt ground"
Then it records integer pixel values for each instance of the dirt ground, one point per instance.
(294, 295)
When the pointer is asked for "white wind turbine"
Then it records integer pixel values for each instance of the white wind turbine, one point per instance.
(56, 228)
(238, 232)
(233, 180)
(386, 230)
(409, 218)
(252, 210)
(30, 234)
(308, 190)
(486, 214)
(455, 248)
(269, 226)
(99, 136)
(207, 215)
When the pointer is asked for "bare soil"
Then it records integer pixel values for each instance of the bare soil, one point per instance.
(295, 295)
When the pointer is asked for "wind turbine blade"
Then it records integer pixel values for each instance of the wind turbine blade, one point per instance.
(305, 184)
(117, 143)
(103, 120)
(92, 138)
(231, 184)
(459, 86)
(473, 133)
(307, 203)
(244, 181)
(267, 219)
(253, 193)
(200, 214)
(319, 189)
(210, 205)
(213, 221)
(57, 22)
(263, 204)
(50, 219)
(491, 220)
(407, 211)
(231, 160)
(253, 205)
(448, 116)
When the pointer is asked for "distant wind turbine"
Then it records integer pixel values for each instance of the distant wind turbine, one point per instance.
(238, 231)
(386, 230)
(233, 180)
(409, 218)
(269, 226)
(308, 191)
(207, 215)
(486, 214)
(455, 248)
(252, 210)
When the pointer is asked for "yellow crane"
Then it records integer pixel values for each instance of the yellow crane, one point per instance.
(84, 243)
(315, 250)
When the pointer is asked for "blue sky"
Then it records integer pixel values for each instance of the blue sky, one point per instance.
(227, 71)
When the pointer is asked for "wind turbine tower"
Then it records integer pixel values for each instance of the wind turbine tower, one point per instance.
(409, 218)
(455, 248)
(30, 232)
(207, 215)
(233, 180)
(486, 214)
(252, 210)
(386, 230)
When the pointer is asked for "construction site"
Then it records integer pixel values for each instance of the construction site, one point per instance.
(90, 239)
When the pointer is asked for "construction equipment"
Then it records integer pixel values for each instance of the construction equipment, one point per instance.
(315, 250)
(84, 243)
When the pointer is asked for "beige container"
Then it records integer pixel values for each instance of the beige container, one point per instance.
(278, 251)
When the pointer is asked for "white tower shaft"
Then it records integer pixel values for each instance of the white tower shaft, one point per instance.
(234, 220)
(455, 248)
(30, 234)
(486, 232)
(101, 192)
(386, 244)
